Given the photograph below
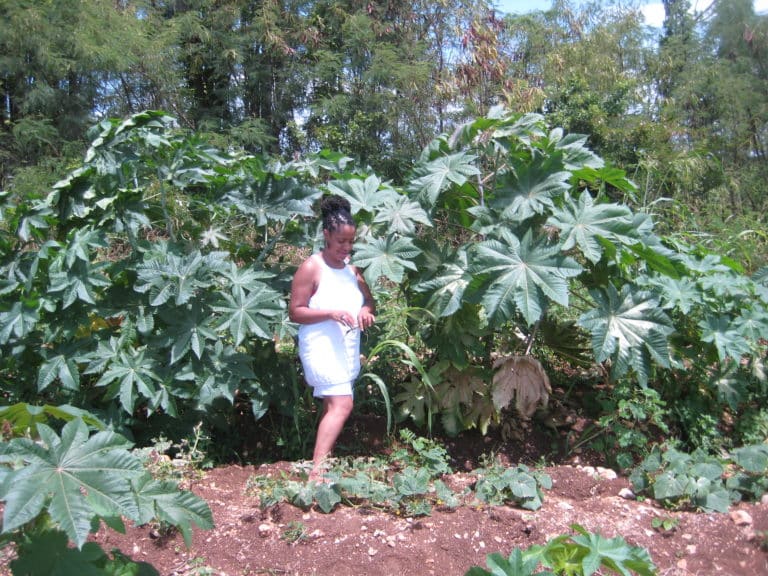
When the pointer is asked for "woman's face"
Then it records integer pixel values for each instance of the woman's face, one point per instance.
(338, 244)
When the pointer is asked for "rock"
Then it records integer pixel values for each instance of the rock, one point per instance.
(565, 505)
(627, 494)
(265, 530)
(741, 518)
(606, 473)
(372, 551)
(764, 499)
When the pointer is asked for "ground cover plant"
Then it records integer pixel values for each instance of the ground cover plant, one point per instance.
(148, 287)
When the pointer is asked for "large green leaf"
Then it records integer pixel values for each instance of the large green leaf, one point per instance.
(582, 222)
(79, 282)
(682, 293)
(76, 477)
(523, 273)
(575, 152)
(363, 195)
(269, 198)
(435, 176)
(613, 553)
(402, 216)
(50, 554)
(530, 188)
(720, 331)
(173, 276)
(628, 328)
(162, 500)
(131, 372)
(188, 328)
(19, 320)
(252, 313)
(447, 289)
(61, 365)
(388, 257)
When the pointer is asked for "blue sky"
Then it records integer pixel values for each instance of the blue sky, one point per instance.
(652, 9)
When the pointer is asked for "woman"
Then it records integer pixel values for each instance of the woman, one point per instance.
(333, 304)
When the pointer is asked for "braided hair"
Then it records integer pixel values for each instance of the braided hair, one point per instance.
(336, 212)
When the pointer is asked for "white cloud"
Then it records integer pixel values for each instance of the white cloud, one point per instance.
(653, 14)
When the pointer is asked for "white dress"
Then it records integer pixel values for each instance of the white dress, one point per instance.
(330, 350)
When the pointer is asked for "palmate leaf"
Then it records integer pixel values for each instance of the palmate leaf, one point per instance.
(752, 323)
(62, 366)
(576, 154)
(628, 328)
(387, 257)
(447, 289)
(81, 243)
(582, 222)
(681, 293)
(252, 313)
(162, 500)
(129, 373)
(401, 216)
(524, 273)
(75, 476)
(172, 276)
(50, 554)
(518, 564)
(244, 279)
(78, 283)
(19, 321)
(189, 327)
(363, 195)
(530, 188)
(269, 198)
(613, 553)
(436, 175)
(720, 331)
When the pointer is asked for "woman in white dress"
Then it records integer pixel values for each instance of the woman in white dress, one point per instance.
(332, 303)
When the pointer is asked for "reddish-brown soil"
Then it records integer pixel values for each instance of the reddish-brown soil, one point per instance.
(353, 541)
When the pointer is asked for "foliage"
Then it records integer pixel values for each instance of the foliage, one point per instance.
(518, 485)
(631, 419)
(59, 488)
(407, 481)
(703, 482)
(50, 553)
(583, 553)
(137, 304)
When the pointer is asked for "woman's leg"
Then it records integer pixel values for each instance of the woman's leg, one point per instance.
(336, 410)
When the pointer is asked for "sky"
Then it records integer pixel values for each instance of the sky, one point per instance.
(652, 10)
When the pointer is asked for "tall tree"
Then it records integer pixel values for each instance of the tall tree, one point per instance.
(58, 58)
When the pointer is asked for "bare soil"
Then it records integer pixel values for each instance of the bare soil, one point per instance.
(249, 540)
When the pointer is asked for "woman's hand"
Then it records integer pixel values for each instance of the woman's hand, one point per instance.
(343, 317)
(365, 318)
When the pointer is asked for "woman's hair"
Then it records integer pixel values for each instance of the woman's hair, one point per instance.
(336, 212)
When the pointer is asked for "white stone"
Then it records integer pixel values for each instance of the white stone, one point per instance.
(627, 494)
(607, 473)
(741, 518)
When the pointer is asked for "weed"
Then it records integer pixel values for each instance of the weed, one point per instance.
(576, 555)
(700, 481)
(665, 524)
(498, 484)
(295, 532)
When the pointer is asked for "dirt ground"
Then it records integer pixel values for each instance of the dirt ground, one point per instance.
(351, 541)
